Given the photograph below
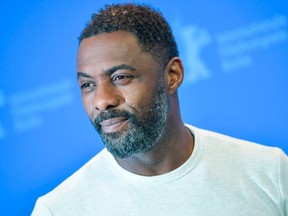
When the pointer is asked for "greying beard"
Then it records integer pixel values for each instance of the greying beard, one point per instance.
(143, 131)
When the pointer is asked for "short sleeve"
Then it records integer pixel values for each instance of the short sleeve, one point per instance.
(41, 209)
(283, 181)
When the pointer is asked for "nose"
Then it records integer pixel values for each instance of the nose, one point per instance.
(106, 97)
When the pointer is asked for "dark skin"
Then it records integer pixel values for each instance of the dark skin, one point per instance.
(115, 73)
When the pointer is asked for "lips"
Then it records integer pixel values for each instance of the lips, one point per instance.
(113, 124)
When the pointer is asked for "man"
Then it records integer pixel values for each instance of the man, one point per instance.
(153, 164)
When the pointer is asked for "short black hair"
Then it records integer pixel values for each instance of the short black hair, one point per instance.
(148, 25)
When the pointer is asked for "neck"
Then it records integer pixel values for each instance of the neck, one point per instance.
(174, 148)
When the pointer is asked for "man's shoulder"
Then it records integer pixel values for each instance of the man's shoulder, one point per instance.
(230, 147)
(93, 173)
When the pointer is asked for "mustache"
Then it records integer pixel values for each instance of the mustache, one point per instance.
(113, 113)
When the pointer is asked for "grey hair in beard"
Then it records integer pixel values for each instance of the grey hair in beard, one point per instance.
(144, 131)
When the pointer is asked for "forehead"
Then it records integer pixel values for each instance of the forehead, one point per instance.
(107, 47)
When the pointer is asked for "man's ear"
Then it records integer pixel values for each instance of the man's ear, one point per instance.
(174, 74)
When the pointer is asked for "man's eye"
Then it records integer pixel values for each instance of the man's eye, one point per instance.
(87, 85)
(121, 77)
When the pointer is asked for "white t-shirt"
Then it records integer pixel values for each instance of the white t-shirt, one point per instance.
(223, 177)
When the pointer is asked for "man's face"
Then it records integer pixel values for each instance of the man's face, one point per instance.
(123, 92)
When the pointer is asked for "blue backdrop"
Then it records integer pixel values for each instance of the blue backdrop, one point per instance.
(235, 58)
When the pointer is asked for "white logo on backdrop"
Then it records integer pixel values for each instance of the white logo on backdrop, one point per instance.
(28, 107)
(235, 46)
(35, 103)
(195, 39)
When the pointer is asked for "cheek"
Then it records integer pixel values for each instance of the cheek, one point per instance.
(88, 106)
(139, 98)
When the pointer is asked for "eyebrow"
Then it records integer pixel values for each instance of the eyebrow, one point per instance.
(82, 74)
(119, 67)
(109, 71)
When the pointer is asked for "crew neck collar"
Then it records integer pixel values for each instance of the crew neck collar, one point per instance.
(163, 178)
